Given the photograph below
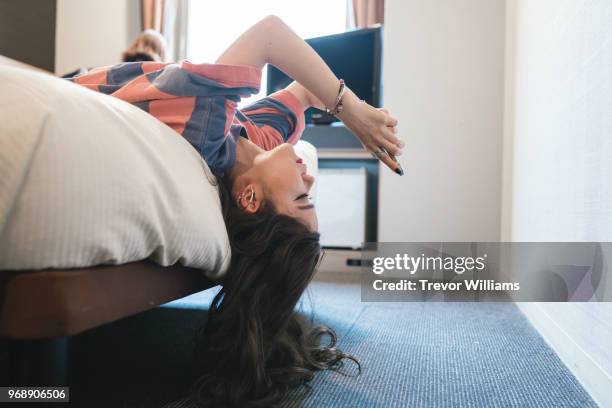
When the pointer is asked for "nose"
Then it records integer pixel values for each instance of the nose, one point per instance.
(308, 180)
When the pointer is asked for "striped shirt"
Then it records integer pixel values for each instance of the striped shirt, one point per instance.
(199, 101)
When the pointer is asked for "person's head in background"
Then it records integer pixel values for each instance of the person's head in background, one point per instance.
(150, 45)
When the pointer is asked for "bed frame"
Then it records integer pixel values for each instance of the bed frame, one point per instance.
(40, 311)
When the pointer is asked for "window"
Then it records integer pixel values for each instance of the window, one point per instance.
(213, 26)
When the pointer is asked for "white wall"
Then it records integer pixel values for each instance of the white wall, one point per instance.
(443, 79)
(93, 33)
(559, 168)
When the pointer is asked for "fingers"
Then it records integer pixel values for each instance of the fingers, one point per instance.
(391, 148)
(387, 146)
(389, 161)
(389, 120)
(391, 125)
(384, 136)
(395, 144)
(393, 138)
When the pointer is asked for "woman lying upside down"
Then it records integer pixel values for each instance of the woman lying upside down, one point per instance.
(254, 347)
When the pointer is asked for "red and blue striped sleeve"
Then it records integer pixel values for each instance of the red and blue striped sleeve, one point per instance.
(275, 119)
(196, 100)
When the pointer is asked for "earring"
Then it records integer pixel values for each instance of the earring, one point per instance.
(251, 196)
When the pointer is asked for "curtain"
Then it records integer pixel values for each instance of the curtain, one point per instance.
(169, 17)
(368, 12)
(175, 28)
(152, 15)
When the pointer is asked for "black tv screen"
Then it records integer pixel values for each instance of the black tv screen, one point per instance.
(354, 56)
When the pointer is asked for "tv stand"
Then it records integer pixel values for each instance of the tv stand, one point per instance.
(338, 148)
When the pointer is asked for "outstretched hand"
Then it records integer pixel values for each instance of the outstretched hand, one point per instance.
(374, 128)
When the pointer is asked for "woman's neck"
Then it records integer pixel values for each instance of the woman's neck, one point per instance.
(246, 151)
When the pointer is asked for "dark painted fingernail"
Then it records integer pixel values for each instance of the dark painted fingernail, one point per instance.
(399, 170)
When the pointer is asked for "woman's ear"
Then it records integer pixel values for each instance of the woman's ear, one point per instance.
(250, 198)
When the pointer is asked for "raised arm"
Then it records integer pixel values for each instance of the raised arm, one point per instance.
(305, 96)
(272, 41)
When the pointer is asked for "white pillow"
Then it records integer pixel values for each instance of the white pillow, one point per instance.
(88, 179)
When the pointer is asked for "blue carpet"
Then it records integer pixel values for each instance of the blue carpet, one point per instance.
(412, 355)
(430, 355)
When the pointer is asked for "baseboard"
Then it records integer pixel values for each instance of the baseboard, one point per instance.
(340, 261)
(595, 380)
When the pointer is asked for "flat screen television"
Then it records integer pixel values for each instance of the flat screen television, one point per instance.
(354, 56)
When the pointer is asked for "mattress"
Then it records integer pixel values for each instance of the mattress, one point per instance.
(87, 179)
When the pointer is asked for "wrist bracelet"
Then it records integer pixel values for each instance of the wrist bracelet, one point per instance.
(338, 105)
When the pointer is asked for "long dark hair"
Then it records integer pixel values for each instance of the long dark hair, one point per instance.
(254, 347)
